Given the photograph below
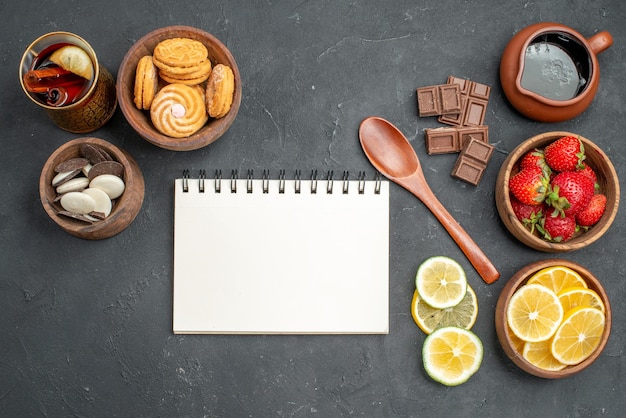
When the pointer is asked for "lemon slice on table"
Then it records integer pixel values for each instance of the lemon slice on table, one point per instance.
(451, 355)
(578, 336)
(441, 282)
(557, 278)
(74, 59)
(540, 354)
(534, 313)
(574, 297)
(462, 315)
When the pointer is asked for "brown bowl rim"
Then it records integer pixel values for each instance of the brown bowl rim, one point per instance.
(140, 119)
(502, 331)
(505, 210)
(126, 207)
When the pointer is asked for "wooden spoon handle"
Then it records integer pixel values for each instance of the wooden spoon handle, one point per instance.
(472, 251)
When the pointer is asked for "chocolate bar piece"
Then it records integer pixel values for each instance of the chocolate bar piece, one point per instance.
(479, 132)
(439, 100)
(472, 161)
(474, 100)
(442, 140)
(478, 150)
(449, 140)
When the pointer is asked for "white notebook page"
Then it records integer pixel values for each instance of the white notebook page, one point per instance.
(281, 262)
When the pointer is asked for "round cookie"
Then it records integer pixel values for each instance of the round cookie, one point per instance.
(219, 91)
(146, 82)
(199, 75)
(200, 68)
(180, 52)
(178, 110)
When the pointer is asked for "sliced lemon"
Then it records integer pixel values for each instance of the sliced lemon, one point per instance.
(557, 278)
(74, 59)
(451, 355)
(534, 313)
(539, 354)
(441, 282)
(574, 297)
(462, 315)
(578, 336)
(516, 342)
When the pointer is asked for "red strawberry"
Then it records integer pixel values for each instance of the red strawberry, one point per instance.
(534, 159)
(565, 154)
(592, 175)
(589, 172)
(557, 228)
(590, 215)
(570, 192)
(528, 215)
(529, 186)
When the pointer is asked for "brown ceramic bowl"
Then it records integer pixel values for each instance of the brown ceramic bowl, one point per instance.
(504, 334)
(140, 119)
(125, 208)
(607, 179)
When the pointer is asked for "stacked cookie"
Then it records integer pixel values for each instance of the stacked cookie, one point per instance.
(182, 60)
(194, 92)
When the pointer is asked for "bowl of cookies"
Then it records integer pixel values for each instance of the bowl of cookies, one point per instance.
(91, 188)
(179, 87)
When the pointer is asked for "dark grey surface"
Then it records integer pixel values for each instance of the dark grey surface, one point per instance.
(86, 326)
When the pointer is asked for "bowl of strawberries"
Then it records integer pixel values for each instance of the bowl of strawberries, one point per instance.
(557, 192)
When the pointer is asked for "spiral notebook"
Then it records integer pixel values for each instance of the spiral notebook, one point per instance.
(281, 256)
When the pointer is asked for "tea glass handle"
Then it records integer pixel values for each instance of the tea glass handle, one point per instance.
(600, 41)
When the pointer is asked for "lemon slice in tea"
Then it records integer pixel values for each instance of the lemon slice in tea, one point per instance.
(74, 59)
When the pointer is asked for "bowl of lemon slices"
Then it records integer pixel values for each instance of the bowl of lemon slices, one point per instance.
(553, 318)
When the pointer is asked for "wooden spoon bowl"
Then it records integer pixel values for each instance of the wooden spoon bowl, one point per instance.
(606, 177)
(125, 208)
(392, 155)
(505, 335)
(140, 119)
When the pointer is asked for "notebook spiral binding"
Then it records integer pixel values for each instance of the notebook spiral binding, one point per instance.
(234, 176)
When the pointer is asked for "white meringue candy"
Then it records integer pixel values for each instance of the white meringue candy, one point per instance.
(76, 184)
(60, 177)
(78, 202)
(103, 202)
(112, 185)
(86, 169)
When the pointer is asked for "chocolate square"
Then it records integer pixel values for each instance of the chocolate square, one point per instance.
(474, 100)
(472, 161)
(438, 100)
(428, 101)
(442, 141)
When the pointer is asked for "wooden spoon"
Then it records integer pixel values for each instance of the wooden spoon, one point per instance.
(391, 153)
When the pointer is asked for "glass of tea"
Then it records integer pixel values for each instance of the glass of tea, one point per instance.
(60, 72)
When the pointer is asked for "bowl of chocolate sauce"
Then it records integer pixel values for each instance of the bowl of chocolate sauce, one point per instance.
(550, 72)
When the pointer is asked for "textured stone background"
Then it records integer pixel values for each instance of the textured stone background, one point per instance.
(86, 326)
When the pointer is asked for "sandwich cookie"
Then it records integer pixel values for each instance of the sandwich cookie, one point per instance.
(219, 91)
(182, 60)
(146, 82)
